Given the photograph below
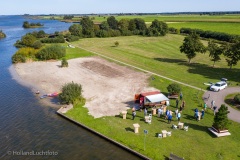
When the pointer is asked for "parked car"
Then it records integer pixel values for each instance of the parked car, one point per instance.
(218, 86)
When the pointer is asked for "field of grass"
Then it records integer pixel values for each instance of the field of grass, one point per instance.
(161, 55)
(197, 143)
(231, 28)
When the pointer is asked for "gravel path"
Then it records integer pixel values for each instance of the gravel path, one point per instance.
(218, 97)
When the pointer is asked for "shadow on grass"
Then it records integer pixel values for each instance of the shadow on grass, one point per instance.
(231, 103)
(206, 70)
(200, 128)
(128, 129)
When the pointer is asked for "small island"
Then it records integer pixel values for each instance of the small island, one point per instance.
(26, 24)
(2, 35)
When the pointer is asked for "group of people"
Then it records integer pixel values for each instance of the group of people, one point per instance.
(199, 114)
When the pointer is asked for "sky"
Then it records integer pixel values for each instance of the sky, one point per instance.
(18, 7)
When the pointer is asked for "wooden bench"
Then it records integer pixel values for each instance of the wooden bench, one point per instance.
(175, 157)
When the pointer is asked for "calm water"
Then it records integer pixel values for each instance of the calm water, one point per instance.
(28, 126)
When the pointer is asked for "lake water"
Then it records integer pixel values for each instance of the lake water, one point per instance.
(28, 126)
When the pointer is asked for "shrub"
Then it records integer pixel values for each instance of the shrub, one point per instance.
(116, 43)
(51, 52)
(237, 98)
(37, 45)
(17, 58)
(71, 92)
(64, 63)
(174, 88)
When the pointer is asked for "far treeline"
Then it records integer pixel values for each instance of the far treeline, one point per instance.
(2, 35)
(26, 24)
(228, 45)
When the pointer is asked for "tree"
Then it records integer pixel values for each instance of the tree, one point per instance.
(76, 30)
(160, 26)
(104, 26)
(221, 121)
(112, 22)
(28, 40)
(87, 27)
(191, 45)
(123, 25)
(232, 53)
(71, 92)
(174, 88)
(214, 51)
(132, 25)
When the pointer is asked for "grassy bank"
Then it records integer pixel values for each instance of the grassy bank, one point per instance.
(197, 143)
(161, 55)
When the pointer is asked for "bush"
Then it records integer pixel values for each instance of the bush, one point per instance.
(22, 54)
(71, 92)
(174, 88)
(72, 38)
(51, 52)
(237, 98)
(17, 58)
(116, 43)
(64, 63)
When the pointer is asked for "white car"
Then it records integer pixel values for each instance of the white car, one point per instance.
(218, 86)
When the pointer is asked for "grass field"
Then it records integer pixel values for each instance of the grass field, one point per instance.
(161, 55)
(231, 28)
(195, 144)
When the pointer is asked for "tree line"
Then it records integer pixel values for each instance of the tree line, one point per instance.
(113, 28)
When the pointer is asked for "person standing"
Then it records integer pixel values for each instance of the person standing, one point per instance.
(196, 113)
(169, 118)
(181, 96)
(159, 112)
(133, 114)
(183, 104)
(202, 114)
(205, 106)
(145, 111)
(177, 103)
(212, 104)
(179, 116)
(176, 112)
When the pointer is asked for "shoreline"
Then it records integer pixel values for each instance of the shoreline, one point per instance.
(104, 84)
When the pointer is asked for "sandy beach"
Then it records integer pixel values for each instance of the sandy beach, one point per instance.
(109, 88)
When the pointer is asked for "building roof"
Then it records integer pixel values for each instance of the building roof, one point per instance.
(150, 93)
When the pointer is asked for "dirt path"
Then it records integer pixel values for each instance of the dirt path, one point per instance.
(218, 97)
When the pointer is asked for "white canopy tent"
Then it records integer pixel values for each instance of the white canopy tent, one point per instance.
(156, 98)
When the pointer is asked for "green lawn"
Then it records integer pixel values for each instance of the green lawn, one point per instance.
(161, 55)
(231, 28)
(195, 144)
